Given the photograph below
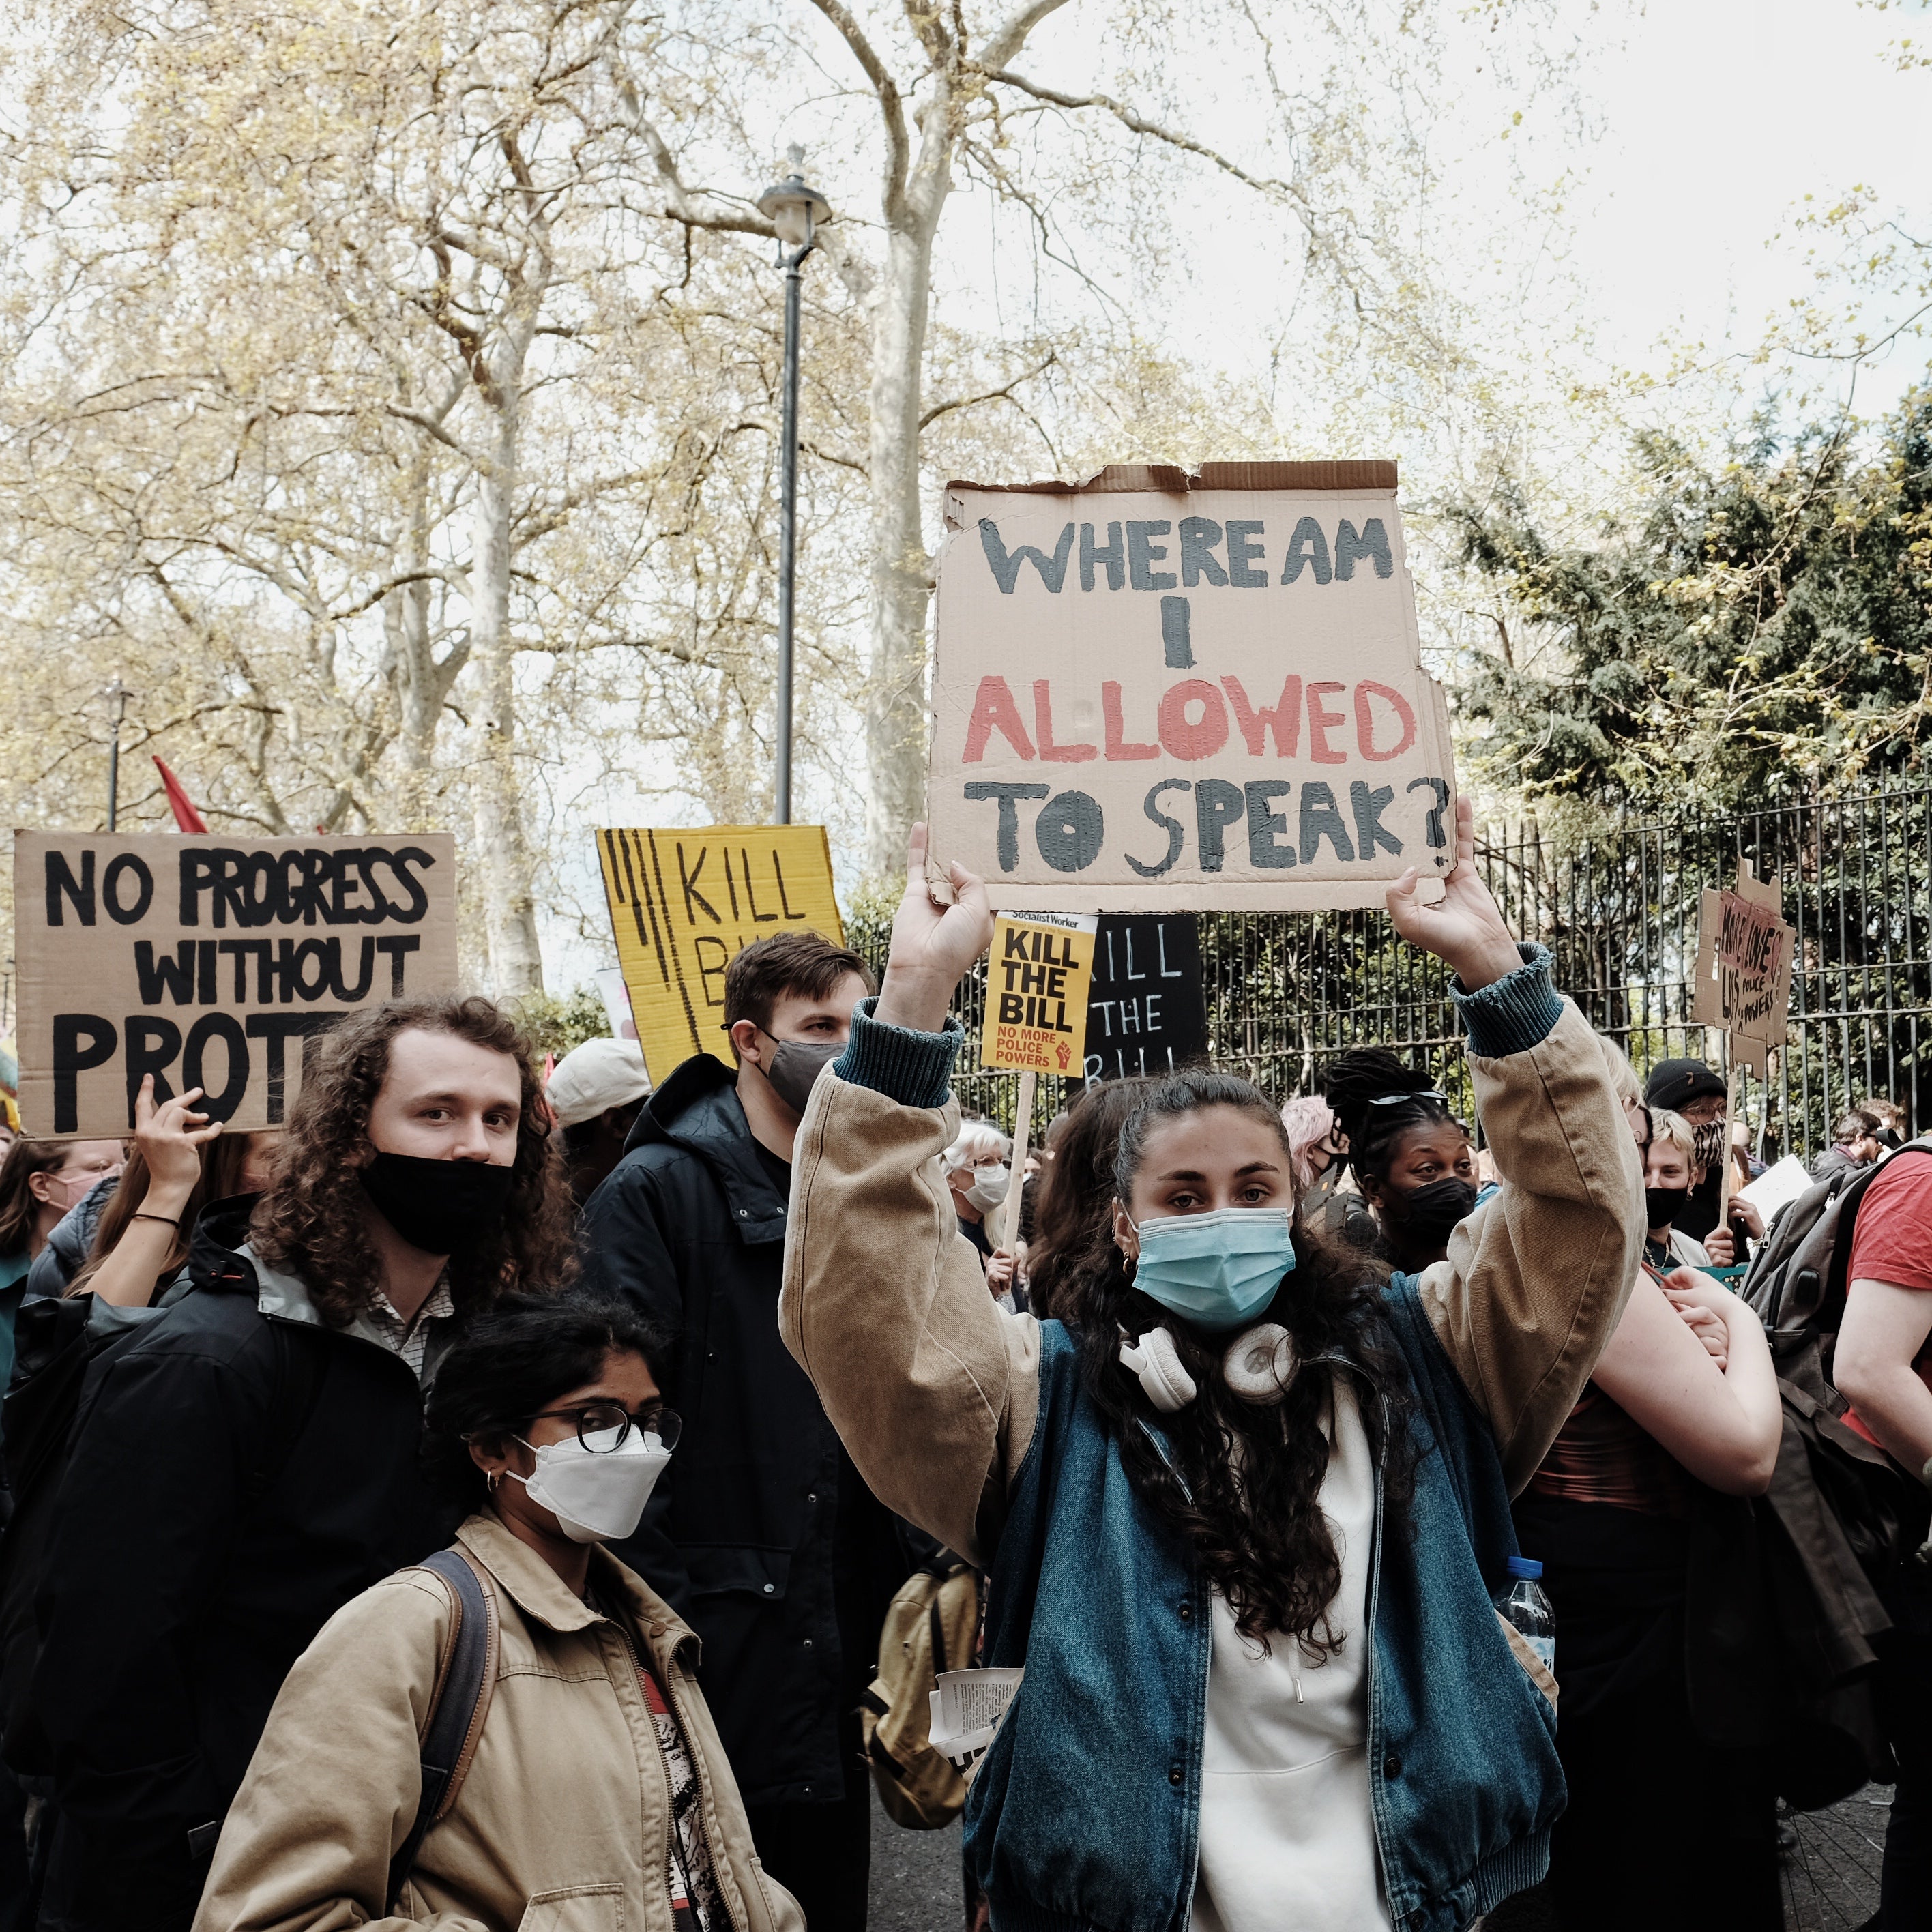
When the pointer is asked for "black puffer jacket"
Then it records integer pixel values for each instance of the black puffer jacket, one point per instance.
(760, 1532)
(239, 1471)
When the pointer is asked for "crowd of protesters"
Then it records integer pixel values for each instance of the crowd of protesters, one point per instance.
(479, 1504)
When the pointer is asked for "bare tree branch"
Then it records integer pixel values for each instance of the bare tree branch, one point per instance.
(1139, 124)
(1012, 34)
(695, 208)
(455, 579)
(892, 106)
(1004, 394)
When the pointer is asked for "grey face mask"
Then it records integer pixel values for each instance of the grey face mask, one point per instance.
(795, 1068)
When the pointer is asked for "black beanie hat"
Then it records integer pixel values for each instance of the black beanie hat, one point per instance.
(1674, 1083)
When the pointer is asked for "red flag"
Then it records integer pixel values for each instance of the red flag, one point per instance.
(187, 819)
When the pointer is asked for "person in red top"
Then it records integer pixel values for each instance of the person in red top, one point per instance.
(1883, 1367)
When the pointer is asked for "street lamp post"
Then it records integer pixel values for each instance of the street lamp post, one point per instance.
(117, 694)
(796, 211)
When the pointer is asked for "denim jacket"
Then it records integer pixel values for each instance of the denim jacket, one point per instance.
(1109, 1613)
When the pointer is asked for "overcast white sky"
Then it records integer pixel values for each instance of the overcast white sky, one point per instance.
(1720, 115)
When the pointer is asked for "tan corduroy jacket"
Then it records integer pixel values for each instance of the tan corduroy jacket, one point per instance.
(563, 1823)
(935, 1389)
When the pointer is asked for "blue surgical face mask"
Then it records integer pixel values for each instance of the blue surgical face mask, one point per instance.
(1217, 1270)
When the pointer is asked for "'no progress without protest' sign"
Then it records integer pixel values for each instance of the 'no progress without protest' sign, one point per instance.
(211, 963)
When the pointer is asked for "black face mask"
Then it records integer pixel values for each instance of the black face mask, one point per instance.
(1431, 1210)
(439, 1206)
(794, 1068)
(1663, 1204)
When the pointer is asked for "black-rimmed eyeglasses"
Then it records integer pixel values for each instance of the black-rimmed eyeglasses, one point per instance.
(603, 1426)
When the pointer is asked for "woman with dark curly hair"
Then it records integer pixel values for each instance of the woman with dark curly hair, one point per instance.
(1245, 1505)
(248, 1464)
(596, 1792)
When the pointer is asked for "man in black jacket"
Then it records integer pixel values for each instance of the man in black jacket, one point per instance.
(247, 1461)
(762, 1533)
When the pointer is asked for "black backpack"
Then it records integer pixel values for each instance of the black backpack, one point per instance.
(1784, 1606)
(1796, 1287)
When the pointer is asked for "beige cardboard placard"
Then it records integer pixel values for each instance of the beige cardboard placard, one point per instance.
(685, 901)
(1161, 691)
(1743, 978)
(211, 962)
(1039, 977)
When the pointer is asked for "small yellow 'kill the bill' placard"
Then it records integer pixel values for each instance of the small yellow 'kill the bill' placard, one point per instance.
(1037, 983)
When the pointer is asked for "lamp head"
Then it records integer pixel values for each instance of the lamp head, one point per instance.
(793, 208)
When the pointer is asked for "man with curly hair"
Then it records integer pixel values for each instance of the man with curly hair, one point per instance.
(247, 1463)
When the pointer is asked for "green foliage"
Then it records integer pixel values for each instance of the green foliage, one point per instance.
(1745, 634)
(556, 1022)
(869, 922)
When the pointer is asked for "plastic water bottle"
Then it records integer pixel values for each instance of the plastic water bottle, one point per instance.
(1529, 1609)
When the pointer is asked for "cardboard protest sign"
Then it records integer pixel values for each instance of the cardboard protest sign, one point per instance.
(1147, 1012)
(1159, 691)
(616, 997)
(685, 902)
(1037, 982)
(1743, 982)
(211, 962)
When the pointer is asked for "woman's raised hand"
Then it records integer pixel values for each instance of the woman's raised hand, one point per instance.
(1464, 928)
(170, 1137)
(934, 947)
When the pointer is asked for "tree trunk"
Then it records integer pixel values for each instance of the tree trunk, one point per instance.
(896, 696)
(503, 855)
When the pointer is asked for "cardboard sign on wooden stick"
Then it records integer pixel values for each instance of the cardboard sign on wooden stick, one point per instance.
(1161, 691)
(211, 962)
(1039, 977)
(1743, 981)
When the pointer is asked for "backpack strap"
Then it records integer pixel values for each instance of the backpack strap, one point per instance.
(457, 1706)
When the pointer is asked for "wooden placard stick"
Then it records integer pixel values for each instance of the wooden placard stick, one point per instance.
(1022, 1133)
(1727, 1179)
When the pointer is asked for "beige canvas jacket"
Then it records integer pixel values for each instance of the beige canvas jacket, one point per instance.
(563, 1823)
(935, 1389)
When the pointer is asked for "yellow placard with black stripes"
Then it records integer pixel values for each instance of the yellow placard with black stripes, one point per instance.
(685, 903)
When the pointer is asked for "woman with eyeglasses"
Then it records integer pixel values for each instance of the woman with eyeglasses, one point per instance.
(597, 1794)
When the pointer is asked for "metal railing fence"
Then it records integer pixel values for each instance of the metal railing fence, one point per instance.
(1619, 910)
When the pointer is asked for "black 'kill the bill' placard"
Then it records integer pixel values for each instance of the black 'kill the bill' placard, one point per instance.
(1146, 1013)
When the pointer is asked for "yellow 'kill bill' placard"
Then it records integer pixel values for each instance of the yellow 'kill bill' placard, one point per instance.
(685, 902)
(1037, 983)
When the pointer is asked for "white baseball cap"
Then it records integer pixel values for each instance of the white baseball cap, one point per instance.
(602, 1073)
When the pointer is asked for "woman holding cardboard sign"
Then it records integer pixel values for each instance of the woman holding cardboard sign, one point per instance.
(183, 1161)
(1246, 1509)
